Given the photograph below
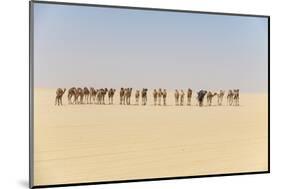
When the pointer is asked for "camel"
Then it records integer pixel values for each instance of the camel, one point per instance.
(76, 96)
(110, 95)
(236, 97)
(159, 95)
(155, 96)
(79, 93)
(99, 96)
(164, 97)
(71, 93)
(144, 96)
(122, 96)
(86, 93)
(103, 93)
(59, 94)
(177, 95)
(200, 96)
(128, 93)
(181, 97)
(137, 96)
(93, 94)
(189, 95)
(100, 93)
(220, 97)
(210, 97)
(230, 97)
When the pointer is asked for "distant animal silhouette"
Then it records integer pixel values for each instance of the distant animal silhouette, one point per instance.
(144, 96)
(189, 95)
(128, 93)
(236, 97)
(104, 91)
(110, 95)
(220, 97)
(71, 93)
(137, 96)
(200, 96)
(79, 96)
(99, 96)
(230, 97)
(181, 97)
(177, 95)
(86, 94)
(164, 97)
(155, 96)
(59, 94)
(159, 96)
(122, 95)
(210, 97)
(93, 94)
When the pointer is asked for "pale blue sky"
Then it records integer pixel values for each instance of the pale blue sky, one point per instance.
(110, 47)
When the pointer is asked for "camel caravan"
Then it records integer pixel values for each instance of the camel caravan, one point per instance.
(98, 96)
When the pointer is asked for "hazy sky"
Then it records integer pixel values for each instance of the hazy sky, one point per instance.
(109, 47)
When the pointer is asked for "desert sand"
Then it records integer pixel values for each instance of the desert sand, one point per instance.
(92, 143)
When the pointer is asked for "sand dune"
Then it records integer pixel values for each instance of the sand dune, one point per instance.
(90, 143)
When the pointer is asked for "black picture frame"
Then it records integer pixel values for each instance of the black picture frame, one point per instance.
(31, 93)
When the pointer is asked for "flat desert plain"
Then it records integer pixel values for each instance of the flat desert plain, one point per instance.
(92, 143)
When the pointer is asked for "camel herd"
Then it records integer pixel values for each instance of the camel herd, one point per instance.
(97, 96)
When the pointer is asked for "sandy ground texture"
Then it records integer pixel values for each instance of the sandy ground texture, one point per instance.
(91, 143)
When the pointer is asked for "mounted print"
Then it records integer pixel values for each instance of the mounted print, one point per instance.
(122, 94)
